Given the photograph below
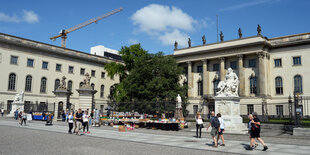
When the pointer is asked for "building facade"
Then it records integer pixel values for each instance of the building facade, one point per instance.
(37, 69)
(269, 70)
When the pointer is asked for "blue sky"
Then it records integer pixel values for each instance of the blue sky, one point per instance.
(156, 24)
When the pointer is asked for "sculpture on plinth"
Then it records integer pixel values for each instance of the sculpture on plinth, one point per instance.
(178, 110)
(240, 33)
(222, 36)
(229, 87)
(175, 45)
(63, 83)
(259, 30)
(203, 39)
(19, 97)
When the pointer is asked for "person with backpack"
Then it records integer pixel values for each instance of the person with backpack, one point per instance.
(23, 118)
(221, 131)
(199, 124)
(255, 132)
(85, 118)
(250, 116)
(215, 124)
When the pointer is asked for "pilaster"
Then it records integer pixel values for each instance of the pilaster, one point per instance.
(241, 75)
(222, 69)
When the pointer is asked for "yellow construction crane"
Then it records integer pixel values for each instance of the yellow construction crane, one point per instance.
(63, 33)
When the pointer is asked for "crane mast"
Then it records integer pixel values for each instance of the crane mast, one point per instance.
(63, 33)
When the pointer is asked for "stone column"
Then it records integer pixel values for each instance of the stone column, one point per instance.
(85, 98)
(222, 69)
(241, 76)
(189, 79)
(61, 95)
(205, 77)
(262, 73)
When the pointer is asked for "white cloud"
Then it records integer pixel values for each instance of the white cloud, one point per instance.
(25, 16)
(170, 37)
(167, 24)
(133, 41)
(30, 17)
(156, 17)
(248, 4)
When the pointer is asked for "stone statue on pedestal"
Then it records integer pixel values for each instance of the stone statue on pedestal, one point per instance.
(203, 39)
(222, 36)
(175, 45)
(229, 87)
(63, 83)
(178, 110)
(87, 80)
(19, 97)
(179, 100)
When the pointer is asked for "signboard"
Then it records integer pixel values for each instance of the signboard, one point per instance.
(298, 109)
(29, 117)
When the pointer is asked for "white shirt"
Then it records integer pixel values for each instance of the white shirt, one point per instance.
(85, 118)
(199, 120)
(221, 122)
(70, 119)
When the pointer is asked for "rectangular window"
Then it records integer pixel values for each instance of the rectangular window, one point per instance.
(233, 65)
(82, 71)
(296, 60)
(279, 109)
(216, 67)
(195, 109)
(30, 62)
(70, 70)
(200, 88)
(253, 85)
(250, 108)
(199, 69)
(58, 67)
(277, 62)
(14, 60)
(252, 63)
(93, 73)
(102, 74)
(44, 65)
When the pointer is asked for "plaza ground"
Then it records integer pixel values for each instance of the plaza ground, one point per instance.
(36, 138)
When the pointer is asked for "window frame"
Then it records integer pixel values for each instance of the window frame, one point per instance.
(253, 85)
(280, 62)
(43, 86)
(11, 62)
(58, 69)
(46, 65)
(91, 73)
(32, 62)
(216, 68)
(293, 58)
(81, 71)
(12, 86)
(301, 84)
(279, 89)
(250, 64)
(28, 86)
(72, 70)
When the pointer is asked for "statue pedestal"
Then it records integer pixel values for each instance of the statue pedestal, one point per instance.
(62, 97)
(229, 108)
(85, 98)
(16, 105)
(178, 113)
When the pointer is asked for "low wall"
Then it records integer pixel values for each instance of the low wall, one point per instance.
(301, 132)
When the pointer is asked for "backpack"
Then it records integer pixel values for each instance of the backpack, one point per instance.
(216, 122)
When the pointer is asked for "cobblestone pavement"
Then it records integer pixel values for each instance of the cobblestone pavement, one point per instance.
(159, 141)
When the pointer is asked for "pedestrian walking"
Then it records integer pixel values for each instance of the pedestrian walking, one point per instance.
(255, 132)
(249, 128)
(2, 112)
(199, 124)
(91, 118)
(215, 125)
(24, 118)
(16, 114)
(222, 127)
(85, 122)
(70, 122)
(79, 121)
(20, 117)
(67, 114)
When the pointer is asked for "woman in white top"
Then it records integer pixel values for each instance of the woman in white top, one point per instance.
(222, 127)
(85, 121)
(70, 122)
(199, 124)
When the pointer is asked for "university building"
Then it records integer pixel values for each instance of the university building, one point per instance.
(269, 70)
(37, 69)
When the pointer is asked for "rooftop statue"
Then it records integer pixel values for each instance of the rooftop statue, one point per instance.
(203, 39)
(240, 33)
(259, 30)
(229, 87)
(175, 45)
(63, 83)
(222, 36)
(189, 42)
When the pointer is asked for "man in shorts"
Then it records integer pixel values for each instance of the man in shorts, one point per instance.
(215, 124)
(79, 121)
(255, 132)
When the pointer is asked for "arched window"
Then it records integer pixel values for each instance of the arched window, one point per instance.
(43, 85)
(297, 84)
(253, 85)
(279, 85)
(57, 84)
(69, 85)
(28, 83)
(81, 84)
(102, 91)
(215, 83)
(200, 89)
(12, 81)
(93, 86)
